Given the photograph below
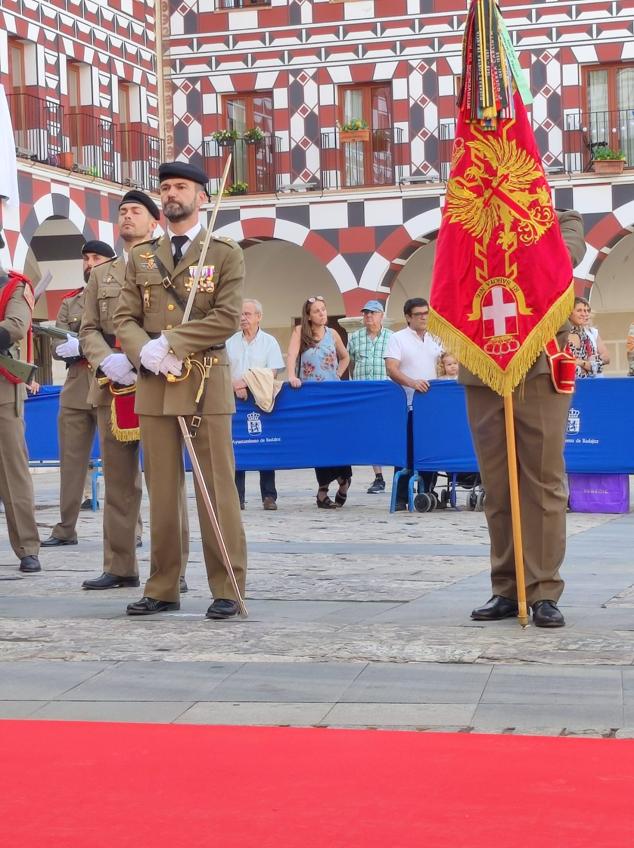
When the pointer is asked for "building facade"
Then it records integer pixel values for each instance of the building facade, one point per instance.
(339, 117)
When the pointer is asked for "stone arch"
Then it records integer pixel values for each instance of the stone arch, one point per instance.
(602, 238)
(49, 206)
(254, 230)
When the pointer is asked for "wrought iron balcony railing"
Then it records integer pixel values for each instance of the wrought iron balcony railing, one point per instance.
(361, 158)
(241, 4)
(254, 165)
(84, 143)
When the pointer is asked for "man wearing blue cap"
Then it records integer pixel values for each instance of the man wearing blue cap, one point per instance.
(77, 423)
(367, 351)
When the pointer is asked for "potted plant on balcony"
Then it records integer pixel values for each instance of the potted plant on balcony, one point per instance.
(354, 130)
(605, 160)
(66, 160)
(237, 188)
(225, 138)
(254, 136)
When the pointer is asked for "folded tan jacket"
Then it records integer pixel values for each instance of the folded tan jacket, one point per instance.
(263, 386)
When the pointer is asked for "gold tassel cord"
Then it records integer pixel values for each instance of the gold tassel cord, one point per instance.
(473, 358)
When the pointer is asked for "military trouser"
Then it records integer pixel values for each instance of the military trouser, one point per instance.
(16, 486)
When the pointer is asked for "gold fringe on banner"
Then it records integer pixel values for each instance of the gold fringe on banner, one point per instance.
(130, 434)
(503, 382)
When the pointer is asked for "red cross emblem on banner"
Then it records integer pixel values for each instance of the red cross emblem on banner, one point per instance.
(499, 313)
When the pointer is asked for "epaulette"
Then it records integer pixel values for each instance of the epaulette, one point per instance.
(225, 240)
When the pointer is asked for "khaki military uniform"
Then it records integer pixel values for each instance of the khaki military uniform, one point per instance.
(120, 460)
(146, 309)
(540, 415)
(121, 467)
(77, 424)
(16, 487)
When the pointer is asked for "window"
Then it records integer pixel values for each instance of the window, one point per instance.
(241, 4)
(368, 162)
(609, 95)
(17, 72)
(252, 163)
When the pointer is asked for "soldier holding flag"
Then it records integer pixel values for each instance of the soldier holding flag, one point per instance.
(502, 290)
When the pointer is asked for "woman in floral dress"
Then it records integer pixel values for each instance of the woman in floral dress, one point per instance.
(317, 354)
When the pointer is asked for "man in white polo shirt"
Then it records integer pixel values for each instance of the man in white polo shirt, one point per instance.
(410, 360)
(249, 348)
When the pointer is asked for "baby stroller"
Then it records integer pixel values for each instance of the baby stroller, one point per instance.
(429, 500)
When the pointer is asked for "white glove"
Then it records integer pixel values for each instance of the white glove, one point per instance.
(69, 348)
(153, 353)
(118, 368)
(170, 364)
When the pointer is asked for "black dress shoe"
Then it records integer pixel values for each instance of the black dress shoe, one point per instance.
(495, 609)
(223, 608)
(54, 542)
(87, 504)
(150, 606)
(182, 585)
(139, 542)
(110, 581)
(30, 564)
(547, 614)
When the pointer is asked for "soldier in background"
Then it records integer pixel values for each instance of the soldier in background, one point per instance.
(138, 217)
(16, 487)
(77, 422)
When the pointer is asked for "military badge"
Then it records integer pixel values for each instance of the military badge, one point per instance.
(206, 282)
(147, 261)
(146, 297)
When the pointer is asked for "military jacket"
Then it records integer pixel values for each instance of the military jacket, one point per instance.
(74, 394)
(572, 231)
(16, 321)
(147, 309)
(97, 333)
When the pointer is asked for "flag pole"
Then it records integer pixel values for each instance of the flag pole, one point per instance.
(516, 518)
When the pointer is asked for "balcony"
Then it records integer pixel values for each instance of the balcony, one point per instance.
(253, 165)
(585, 132)
(241, 4)
(84, 143)
(361, 159)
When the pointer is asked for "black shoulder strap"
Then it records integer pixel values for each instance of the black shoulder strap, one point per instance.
(168, 284)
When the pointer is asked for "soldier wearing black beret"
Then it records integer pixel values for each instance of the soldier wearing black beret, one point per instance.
(137, 219)
(149, 324)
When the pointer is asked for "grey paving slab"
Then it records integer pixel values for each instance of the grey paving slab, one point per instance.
(288, 682)
(554, 717)
(396, 714)
(414, 683)
(149, 712)
(18, 709)
(261, 713)
(556, 686)
(148, 681)
(42, 680)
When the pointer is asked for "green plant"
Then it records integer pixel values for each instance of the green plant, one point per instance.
(237, 188)
(254, 135)
(354, 125)
(605, 153)
(225, 136)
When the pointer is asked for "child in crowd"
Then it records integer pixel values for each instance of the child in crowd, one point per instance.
(447, 366)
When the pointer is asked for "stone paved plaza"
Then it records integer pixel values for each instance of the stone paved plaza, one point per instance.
(358, 618)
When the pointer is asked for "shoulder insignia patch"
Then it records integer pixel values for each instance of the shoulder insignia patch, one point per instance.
(29, 296)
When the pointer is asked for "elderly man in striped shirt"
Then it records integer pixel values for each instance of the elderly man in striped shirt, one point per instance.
(367, 351)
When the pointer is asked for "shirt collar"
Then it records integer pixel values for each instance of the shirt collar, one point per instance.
(191, 234)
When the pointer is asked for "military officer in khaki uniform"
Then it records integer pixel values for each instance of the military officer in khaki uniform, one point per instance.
(138, 216)
(148, 325)
(540, 415)
(16, 487)
(77, 422)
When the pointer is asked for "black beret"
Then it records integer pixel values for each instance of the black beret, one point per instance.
(183, 170)
(98, 247)
(144, 199)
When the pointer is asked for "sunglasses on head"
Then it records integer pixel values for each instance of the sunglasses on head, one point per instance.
(316, 297)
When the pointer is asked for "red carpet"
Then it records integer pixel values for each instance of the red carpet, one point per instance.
(84, 785)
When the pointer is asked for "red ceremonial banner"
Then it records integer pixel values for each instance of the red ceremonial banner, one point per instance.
(502, 282)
